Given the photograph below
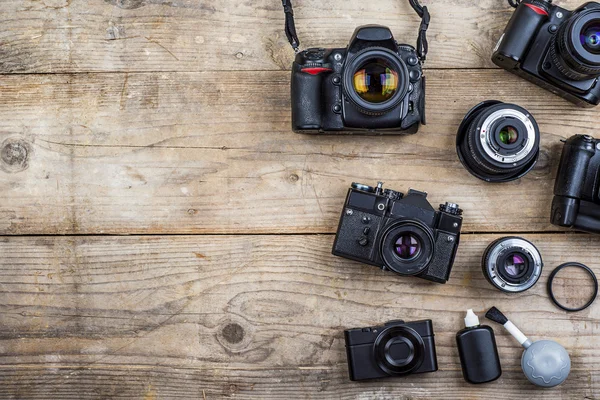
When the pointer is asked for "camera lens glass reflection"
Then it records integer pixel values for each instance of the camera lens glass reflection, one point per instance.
(515, 265)
(407, 246)
(376, 81)
(590, 37)
(509, 135)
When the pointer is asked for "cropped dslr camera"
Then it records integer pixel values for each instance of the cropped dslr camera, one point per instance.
(374, 84)
(396, 349)
(399, 233)
(576, 201)
(554, 48)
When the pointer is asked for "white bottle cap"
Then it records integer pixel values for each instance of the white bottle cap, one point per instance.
(471, 319)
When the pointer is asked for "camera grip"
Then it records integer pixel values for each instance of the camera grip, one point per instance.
(519, 33)
(306, 100)
(574, 161)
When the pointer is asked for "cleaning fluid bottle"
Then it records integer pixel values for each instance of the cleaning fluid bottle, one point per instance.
(478, 352)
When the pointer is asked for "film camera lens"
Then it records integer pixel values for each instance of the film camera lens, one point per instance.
(512, 264)
(498, 142)
(575, 49)
(376, 80)
(407, 247)
(399, 350)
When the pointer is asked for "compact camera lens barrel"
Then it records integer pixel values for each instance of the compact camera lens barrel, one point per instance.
(399, 350)
(512, 264)
(498, 142)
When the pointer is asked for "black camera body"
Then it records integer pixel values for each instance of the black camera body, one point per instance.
(554, 48)
(395, 349)
(404, 234)
(576, 202)
(374, 85)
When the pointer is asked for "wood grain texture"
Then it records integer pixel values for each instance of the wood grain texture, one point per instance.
(51, 36)
(256, 317)
(213, 153)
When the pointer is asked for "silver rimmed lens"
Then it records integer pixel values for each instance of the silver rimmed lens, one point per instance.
(512, 264)
(503, 130)
(498, 142)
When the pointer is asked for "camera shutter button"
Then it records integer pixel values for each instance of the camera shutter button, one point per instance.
(412, 60)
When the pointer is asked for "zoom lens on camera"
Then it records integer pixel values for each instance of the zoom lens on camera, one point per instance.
(512, 264)
(498, 142)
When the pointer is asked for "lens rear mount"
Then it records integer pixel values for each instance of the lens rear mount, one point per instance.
(512, 264)
(498, 142)
(406, 337)
(370, 55)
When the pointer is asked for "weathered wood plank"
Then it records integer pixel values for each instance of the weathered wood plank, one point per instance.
(213, 153)
(256, 316)
(197, 35)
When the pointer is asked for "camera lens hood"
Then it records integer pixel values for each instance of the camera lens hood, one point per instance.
(498, 142)
(399, 335)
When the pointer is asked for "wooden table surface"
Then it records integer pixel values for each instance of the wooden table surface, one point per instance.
(165, 235)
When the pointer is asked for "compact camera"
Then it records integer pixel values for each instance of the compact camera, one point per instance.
(400, 233)
(576, 201)
(374, 84)
(554, 48)
(395, 349)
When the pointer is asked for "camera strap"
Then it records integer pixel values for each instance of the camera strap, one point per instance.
(422, 46)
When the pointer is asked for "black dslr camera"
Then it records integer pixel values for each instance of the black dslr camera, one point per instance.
(400, 233)
(554, 48)
(576, 201)
(375, 84)
(396, 349)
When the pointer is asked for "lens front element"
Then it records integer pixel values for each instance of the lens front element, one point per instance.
(376, 81)
(590, 36)
(509, 135)
(407, 246)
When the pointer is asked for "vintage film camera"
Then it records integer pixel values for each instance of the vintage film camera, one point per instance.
(404, 234)
(396, 349)
(374, 85)
(554, 48)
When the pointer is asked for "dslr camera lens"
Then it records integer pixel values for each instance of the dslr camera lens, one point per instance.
(512, 264)
(498, 142)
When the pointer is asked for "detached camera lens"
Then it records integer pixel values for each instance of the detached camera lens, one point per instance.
(498, 142)
(512, 264)
(376, 80)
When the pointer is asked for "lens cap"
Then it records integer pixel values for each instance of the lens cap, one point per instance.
(498, 142)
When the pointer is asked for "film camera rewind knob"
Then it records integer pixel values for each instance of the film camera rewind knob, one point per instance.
(451, 208)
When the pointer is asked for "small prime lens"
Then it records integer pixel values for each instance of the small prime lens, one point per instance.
(376, 80)
(407, 246)
(498, 142)
(512, 264)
